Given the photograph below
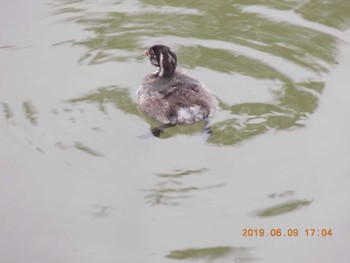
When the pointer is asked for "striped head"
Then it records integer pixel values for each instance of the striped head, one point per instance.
(162, 57)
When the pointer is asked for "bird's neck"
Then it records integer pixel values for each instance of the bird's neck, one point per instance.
(167, 65)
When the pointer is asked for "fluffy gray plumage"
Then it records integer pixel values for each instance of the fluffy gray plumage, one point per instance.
(171, 95)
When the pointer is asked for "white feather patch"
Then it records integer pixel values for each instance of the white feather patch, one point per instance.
(161, 68)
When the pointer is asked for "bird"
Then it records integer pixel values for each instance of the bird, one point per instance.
(170, 95)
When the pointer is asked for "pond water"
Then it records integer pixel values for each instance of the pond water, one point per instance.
(79, 182)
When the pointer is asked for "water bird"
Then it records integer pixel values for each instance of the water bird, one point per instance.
(171, 96)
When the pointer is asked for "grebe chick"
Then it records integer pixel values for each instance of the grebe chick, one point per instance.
(171, 96)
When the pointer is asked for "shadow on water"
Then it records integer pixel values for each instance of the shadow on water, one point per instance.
(258, 34)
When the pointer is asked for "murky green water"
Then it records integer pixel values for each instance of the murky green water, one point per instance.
(79, 183)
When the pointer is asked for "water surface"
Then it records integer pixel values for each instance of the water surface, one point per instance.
(79, 184)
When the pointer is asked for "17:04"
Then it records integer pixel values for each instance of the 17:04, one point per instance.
(311, 232)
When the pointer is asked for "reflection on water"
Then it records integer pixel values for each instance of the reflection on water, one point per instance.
(286, 203)
(171, 190)
(70, 134)
(180, 173)
(8, 112)
(118, 97)
(252, 41)
(168, 193)
(285, 207)
(100, 211)
(30, 112)
(82, 147)
(212, 254)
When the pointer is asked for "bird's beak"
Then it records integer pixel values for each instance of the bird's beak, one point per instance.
(146, 53)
